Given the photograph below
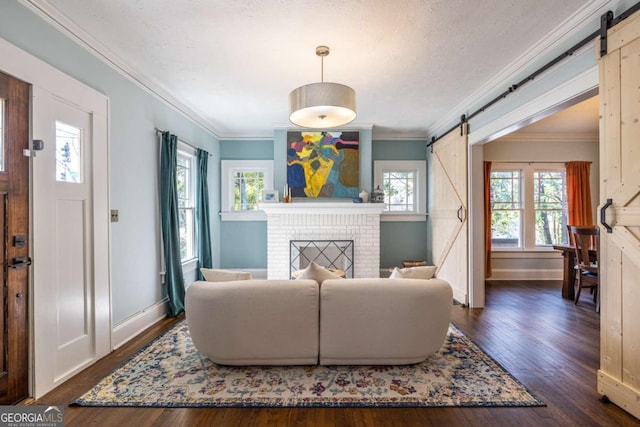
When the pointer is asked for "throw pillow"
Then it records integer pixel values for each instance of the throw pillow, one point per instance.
(215, 275)
(423, 272)
(317, 273)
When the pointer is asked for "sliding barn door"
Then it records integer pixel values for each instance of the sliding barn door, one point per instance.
(449, 212)
(619, 374)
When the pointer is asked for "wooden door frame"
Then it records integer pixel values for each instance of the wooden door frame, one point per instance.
(581, 87)
(21, 64)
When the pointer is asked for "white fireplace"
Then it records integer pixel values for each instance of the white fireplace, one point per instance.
(359, 222)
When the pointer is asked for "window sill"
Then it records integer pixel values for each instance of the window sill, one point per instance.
(189, 265)
(243, 216)
(403, 217)
(525, 253)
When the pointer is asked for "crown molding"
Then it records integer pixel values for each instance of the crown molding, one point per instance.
(560, 36)
(553, 137)
(47, 11)
(416, 138)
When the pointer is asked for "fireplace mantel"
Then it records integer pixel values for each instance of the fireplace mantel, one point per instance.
(340, 208)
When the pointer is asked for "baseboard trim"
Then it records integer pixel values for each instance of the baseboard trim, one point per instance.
(134, 325)
(522, 274)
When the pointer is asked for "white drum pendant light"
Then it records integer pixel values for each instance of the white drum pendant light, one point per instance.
(322, 105)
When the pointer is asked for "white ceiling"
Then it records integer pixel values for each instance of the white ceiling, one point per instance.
(579, 119)
(231, 64)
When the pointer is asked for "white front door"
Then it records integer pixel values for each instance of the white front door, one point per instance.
(70, 250)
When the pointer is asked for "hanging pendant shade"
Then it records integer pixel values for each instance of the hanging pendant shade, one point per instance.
(322, 105)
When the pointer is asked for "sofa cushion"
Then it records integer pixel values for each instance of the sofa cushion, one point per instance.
(317, 273)
(255, 322)
(382, 321)
(215, 275)
(423, 272)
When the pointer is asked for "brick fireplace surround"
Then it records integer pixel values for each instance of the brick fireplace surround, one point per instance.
(359, 222)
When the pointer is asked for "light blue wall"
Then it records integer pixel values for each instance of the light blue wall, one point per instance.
(133, 157)
(402, 240)
(243, 244)
(246, 149)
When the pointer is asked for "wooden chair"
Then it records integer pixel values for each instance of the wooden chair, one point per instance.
(569, 235)
(587, 243)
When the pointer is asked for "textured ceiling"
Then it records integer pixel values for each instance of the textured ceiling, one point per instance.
(580, 119)
(234, 62)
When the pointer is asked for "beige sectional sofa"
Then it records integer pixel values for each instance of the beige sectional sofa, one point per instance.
(298, 322)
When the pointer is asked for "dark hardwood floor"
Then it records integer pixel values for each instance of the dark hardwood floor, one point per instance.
(549, 344)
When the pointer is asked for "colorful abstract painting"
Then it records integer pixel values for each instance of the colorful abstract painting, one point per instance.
(323, 164)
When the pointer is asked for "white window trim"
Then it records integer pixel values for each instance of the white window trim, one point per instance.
(186, 150)
(228, 168)
(527, 222)
(420, 169)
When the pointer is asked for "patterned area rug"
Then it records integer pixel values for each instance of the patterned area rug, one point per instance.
(170, 372)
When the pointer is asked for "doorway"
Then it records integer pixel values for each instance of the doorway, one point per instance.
(579, 89)
(533, 159)
(57, 101)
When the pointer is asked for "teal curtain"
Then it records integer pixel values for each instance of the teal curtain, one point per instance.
(174, 279)
(203, 230)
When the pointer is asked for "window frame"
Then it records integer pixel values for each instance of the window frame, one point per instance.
(419, 167)
(528, 208)
(228, 169)
(186, 151)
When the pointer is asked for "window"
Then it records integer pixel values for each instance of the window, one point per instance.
(404, 183)
(242, 184)
(506, 209)
(247, 190)
(528, 205)
(550, 204)
(185, 181)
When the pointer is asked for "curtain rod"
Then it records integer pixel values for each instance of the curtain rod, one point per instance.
(184, 142)
(606, 21)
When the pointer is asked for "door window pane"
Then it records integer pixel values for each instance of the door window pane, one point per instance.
(68, 153)
(1, 134)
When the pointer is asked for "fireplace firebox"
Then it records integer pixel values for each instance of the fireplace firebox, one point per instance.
(333, 254)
